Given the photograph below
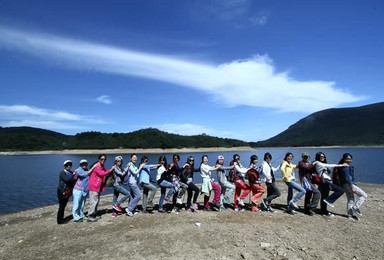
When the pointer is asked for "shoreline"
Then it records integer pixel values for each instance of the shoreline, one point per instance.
(130, 151)
(172, 150)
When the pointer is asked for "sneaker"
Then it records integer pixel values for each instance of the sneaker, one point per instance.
(310, 212)
(179, 201)
(114, 215)
(117, 207)
(227, 200)
(195, 206)
(329, 215)
(92, 219)
(144, 211)
(78, 220)
(293, 204)
(264, 203)
(207, 209)
(129, 214)
(241, 202)
(161, 211)
(222, 208)
(238, 210)
(176, 210)
(269, 209)
(190, 210)
(168, 200)
(357, 211)
(328, 203)
(150, 205)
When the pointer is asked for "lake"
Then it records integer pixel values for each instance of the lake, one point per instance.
(30, 181)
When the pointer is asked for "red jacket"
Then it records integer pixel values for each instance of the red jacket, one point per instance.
(96, 180)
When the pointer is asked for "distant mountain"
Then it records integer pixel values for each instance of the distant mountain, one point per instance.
(35, 139)
(338, 126)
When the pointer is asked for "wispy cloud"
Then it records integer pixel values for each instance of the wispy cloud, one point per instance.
(104, 99)
(250, 82)
(23, 115)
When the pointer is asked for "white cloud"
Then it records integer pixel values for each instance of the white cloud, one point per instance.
(251, 82)
(23, 115)
(104, 99)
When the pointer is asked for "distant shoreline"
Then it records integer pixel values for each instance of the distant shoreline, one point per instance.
(174, 150)
(130, 151)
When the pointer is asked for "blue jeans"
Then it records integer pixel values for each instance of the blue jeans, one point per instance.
(164, 185)
(123, 190)
(136, 196)
(78, 204)
(293, 185)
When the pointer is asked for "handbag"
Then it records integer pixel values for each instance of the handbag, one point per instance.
(67, 193)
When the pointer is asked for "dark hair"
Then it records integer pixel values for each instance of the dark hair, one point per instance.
(133, 155)
(202, 158)
(345, 156)
(286, 155)
(143, 159)
(177, 156)
(253, 157)
(235, 155)
(102, 155)
(189, 158)
(267, 155)
(317, 157)
(163, 158)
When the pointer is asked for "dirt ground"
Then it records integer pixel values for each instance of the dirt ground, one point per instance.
(34, 234)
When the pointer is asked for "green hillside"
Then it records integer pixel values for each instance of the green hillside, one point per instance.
(339, 126)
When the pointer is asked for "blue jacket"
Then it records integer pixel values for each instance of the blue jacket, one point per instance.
(347, 175)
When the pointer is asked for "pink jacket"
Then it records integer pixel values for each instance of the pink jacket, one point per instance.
(96, 180)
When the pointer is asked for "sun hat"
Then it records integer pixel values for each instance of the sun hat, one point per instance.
(220, 157)
(66, 162)
(305, 154)
(83, 161)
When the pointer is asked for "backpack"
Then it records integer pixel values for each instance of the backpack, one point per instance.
(109, 180)
(252, 176)
(231, 173)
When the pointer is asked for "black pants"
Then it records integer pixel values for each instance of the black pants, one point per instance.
(62, 204)
(272, 192)
(192, 188)
(324, 189)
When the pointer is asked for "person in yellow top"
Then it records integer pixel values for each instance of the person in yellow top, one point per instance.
(287, 169)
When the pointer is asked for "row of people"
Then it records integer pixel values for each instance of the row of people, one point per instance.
(315, 183)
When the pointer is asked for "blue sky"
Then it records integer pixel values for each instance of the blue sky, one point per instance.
(240, 69)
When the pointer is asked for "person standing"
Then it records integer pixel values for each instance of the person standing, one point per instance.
(347, 181)
(268, 173)
(133, 172)
(323, 170)
(223, 182)
(312, 195)
(64, 190)
(240, 171)
(164, 180)
(208, 184)
(253, 177)
(119, 174)
(180, 187)
(96, 186)
(145, 182)
(287, 169)
(186, 177)
(80, 191)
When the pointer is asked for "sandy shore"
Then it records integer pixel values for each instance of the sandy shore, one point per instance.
(129, 151)
(34, 234)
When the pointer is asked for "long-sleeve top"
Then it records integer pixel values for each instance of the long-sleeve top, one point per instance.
(65, 180)
(240, 171)
(187, 173)
(82, 181)
(205, 171)
(268, 172)
(222, 174)
(119, 173)
(145, 173)
(305, 170)
(324, 170)
(287, 171)
(96, 180)
(347, 175)
(133, 172)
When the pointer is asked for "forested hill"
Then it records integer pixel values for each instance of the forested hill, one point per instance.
(339, 126)
(35, 139)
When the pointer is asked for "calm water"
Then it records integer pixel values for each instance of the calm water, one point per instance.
(30, 181)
